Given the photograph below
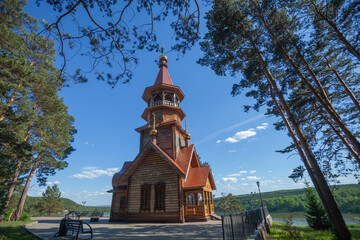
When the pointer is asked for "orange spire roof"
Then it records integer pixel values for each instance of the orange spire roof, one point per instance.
(163, 76)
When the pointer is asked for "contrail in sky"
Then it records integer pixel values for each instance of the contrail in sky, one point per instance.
(228, 129)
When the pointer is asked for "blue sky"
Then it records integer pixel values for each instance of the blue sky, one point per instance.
(240, 147)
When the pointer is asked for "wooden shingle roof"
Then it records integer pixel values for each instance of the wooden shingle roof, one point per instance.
(198, 176)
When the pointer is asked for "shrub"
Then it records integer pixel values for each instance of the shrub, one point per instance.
(25, 217)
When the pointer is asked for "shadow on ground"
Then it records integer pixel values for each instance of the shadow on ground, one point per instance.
(46, 228)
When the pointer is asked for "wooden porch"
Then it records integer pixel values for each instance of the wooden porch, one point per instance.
(199, 204)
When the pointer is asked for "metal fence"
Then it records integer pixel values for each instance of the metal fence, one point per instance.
(243, 224)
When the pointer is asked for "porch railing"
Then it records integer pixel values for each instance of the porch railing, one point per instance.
(198, 210)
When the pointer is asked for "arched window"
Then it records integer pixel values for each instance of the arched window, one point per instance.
(190, 199)
(122, 203)
(145, 197)
(160, 196)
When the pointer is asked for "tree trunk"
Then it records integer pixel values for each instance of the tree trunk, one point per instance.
(321, 95)
(342, 82)
(16, 173)
(351, 150)
(20, 207)
(315, 173)
(301, 153)
(13, 185)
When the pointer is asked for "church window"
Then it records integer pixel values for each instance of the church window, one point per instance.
(145, 197)
(190, 199)
(159, 196)
(122, 203)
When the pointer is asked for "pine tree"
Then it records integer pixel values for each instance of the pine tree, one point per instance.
(315, 214)
(51, 201)
(258, 41)
(36, 129)
(230, 204)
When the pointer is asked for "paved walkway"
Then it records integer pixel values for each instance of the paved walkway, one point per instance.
(47, 227)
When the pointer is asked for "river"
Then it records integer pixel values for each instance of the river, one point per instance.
(299, 218)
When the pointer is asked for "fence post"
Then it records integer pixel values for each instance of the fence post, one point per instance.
(222, 225)
(243, 225)
(232, 226)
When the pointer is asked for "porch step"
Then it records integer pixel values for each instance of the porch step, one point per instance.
(215, 217)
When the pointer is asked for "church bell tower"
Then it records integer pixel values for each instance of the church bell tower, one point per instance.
(163, 100)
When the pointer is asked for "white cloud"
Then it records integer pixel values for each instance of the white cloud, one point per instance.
(252, 178)
(86, 143)
(218, 141)
(96, 173)
(243, 172)
(231, 151)
(270, 171)
(263, 126)
(57, 182)
(228, 129)
(234, 175)
(243, 179)
(230, 179)
(244, 184)
(241, 136)
(252, 171)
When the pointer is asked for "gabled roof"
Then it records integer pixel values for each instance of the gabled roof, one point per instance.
(143, 153)
(198, 176)
(184, 157)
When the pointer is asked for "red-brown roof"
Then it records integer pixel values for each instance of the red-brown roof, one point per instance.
(116, 177)
(197, 177)
(184, 157)
(163, 76)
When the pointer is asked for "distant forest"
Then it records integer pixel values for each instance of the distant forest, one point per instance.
(31, 202)
(347, 197)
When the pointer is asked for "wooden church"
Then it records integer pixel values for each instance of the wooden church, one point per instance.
(164, 183)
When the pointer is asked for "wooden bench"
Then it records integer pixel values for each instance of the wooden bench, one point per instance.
(75, 226)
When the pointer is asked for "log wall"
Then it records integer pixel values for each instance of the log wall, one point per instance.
(154, 169)
(115, 213)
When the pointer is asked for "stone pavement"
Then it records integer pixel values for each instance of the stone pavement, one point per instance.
(47, 227)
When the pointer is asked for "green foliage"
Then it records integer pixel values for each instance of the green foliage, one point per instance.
(51, 201)
(25, 217)
(105, 30)
(229, 204)
(291, 231)
(315, 213)
(279, 232)
(347, 197)
(32, 204)
(14, 231)
(36, 129)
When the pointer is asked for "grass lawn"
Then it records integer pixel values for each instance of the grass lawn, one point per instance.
(13, 230)
(281, 231)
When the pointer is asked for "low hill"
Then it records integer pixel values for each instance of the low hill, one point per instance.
(66, 203)
(347, 197)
